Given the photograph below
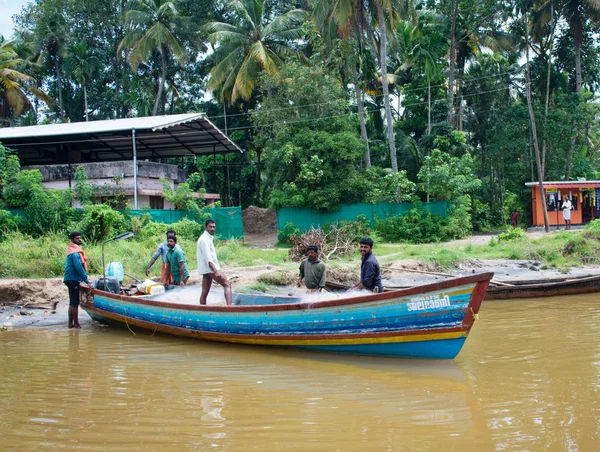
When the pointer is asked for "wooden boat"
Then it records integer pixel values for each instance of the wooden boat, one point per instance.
(505, 290)
(430, 321)
(544, 288)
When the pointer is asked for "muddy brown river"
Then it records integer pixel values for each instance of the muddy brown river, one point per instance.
(528, 378)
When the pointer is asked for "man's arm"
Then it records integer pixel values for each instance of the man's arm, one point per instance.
(181, 273)
(150, 265)
(155, 256)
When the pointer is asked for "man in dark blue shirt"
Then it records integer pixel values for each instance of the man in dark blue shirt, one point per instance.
(370, 276)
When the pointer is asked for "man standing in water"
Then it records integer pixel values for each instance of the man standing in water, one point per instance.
(75, 273)
(208, 264)
(161, 251)
(176, 263)
(370, 276)
(312, 270)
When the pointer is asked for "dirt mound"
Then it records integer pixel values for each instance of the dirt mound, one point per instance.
(259, 221)
(27, 292)
(344, 274)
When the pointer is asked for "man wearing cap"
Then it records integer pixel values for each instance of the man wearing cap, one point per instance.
(312, 270)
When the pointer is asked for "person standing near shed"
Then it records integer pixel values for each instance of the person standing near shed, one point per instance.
(208, 264)
(75, 273)
(312, 270)
(566, 208)
(370, 275)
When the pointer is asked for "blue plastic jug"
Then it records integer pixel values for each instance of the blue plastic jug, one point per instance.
(115, 270)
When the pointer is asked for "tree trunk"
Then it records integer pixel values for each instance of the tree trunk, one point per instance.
(361, 117)
(85, 103)
(450, 93)
(59, 85)
(536, 146)
(161, 85)
(428, 108)
(386, 89)
(577, 27)
(548, 74)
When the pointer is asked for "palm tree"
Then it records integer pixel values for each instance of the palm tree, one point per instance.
(251, 43)
(423, 48)
(51, 32)
(82, 64)
(576, 13)
(344, 19)
(153, 26)
(15, 85)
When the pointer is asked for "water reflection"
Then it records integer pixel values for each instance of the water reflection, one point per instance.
(526, 379)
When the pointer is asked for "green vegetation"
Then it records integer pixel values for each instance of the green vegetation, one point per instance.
(43, 257)
(486, 90)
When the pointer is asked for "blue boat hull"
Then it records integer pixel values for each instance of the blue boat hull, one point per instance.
(430, 321)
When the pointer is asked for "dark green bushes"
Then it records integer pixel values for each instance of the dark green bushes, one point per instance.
(421, 226)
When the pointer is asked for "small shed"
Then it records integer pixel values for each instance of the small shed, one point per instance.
(117, 140)
(584, 196)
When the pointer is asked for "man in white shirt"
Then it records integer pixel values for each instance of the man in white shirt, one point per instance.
(208, 264)
(567, 207)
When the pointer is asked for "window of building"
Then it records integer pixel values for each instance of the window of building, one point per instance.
(157, 202)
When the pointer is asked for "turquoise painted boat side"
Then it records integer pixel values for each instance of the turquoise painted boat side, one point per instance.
(443, 308)
(435, 349)
(431, 321)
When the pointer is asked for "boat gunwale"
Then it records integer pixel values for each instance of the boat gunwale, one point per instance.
(416, 290)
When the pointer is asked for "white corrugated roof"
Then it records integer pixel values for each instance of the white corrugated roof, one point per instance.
(190, 134)
(108, 125)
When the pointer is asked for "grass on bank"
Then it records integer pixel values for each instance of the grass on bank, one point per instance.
(24, 257)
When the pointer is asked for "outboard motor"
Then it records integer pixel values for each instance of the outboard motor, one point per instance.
(111, 285)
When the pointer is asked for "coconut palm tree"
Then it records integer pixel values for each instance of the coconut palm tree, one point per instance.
(153, 26)
(345, 19)
(251, 42)
(424, 48)
(81, 63)
(51, 33)
(15, 85)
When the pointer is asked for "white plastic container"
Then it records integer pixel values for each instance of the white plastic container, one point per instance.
(157, 290)
(115, 270)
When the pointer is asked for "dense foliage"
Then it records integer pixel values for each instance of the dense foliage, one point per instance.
(333, 102)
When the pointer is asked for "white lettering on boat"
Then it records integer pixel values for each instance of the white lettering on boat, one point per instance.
(428, 302)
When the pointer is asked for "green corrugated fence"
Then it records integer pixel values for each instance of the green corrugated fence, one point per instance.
(229, 219)
(304, 219)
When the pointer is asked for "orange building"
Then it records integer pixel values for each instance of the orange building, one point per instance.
(584, 196)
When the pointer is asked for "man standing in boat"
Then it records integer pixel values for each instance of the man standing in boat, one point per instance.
(176, 263)
(161, 251)
(370, 276)
(312, 270)
(75, 274)
(208, 264)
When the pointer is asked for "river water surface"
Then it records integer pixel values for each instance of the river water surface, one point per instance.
(528, 378)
